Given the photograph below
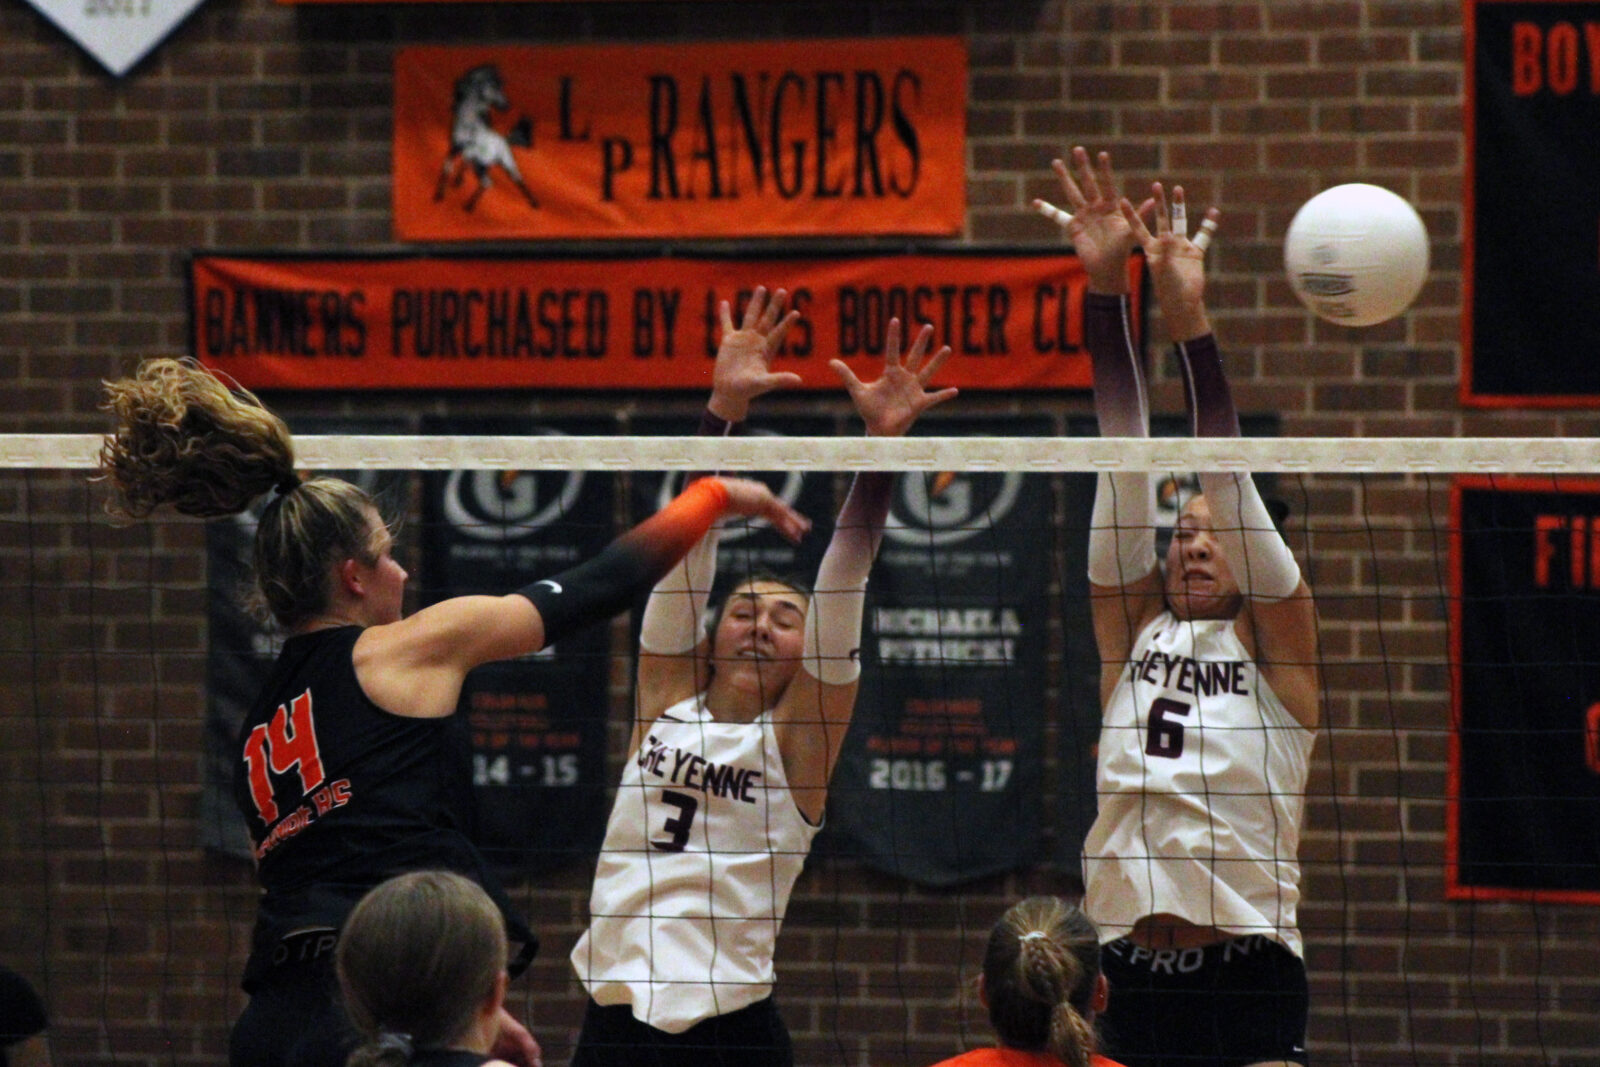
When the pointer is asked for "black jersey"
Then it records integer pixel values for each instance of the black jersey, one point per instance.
(449, 1057)
(340, 795)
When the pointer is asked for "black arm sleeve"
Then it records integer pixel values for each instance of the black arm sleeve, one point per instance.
(608, 584)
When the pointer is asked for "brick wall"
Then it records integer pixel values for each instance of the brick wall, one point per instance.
(266, 126)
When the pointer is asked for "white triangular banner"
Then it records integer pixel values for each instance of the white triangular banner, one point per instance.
(116, 32)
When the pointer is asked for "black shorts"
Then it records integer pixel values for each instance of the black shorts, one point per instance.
(294, 1019)
(1225, 1005)
(750, 1037)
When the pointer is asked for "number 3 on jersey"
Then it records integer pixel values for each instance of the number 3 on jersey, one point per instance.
(1164, 737)
(288, 742)
(678, 825)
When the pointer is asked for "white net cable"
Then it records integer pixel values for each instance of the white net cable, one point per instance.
(1295, 455)
(1457, 584)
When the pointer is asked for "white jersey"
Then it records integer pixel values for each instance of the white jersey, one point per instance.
(1202, 776)
(703, 848)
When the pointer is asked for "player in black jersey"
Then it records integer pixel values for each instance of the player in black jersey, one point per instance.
(344, 774)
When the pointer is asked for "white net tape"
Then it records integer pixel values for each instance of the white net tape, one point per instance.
(1340, 455)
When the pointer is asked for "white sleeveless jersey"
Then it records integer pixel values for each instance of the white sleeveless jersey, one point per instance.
(703, 848)
(1201, 778)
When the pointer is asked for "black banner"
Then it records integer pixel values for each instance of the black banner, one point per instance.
(1533, 198)
(239, 650)
(538, 724)
(940, 777)
(1524, 816)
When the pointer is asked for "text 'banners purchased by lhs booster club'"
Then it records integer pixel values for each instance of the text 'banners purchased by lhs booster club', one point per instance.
(1013, 321)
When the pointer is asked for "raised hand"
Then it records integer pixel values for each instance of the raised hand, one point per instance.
(893, 401)
(750, 499)
(1177, 264)
(744, 358)
(1094, 223)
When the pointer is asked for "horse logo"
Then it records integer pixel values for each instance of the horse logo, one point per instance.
(475, 143)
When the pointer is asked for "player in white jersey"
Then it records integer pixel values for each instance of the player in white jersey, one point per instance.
(1209, 684)
(738, 727)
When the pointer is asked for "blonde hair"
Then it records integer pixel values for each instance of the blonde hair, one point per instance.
(185, 440)
(1039, 975)
(416, 960)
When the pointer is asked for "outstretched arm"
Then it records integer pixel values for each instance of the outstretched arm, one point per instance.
(416, 666)
(1279, 621)
(673, 643)
(1125, 586)
(814, 713)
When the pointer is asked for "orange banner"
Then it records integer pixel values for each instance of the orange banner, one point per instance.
(1013, 321)
(774, 138)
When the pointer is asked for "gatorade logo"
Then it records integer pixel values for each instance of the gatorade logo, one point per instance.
(506, 506)
(949, 508)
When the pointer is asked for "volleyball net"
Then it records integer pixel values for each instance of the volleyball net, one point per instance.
(1449, 856)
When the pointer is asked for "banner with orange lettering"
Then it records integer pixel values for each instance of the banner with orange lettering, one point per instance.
(1531, 230)
(1524, 786)
(735, 139)
(1014, 320)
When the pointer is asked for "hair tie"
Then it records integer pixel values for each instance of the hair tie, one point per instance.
(395, 1041)
(1034, 935)
(289, 484)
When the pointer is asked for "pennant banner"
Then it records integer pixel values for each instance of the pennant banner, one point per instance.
(735, 139)
(117, 33)
(1524, 789)
(1532, 233)
(1013, 320)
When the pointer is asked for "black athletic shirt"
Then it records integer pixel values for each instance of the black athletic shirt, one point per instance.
(340, 795)
(449, 1057)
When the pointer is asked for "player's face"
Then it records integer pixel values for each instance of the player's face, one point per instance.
(386, 584)
(1199, 582)
(761, 635)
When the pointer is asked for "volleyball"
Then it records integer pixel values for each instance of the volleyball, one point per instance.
(1356, 254)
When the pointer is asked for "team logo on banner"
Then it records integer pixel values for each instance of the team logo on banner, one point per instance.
(508, 505)
(476, 147)
(948, 508)
(710, 140)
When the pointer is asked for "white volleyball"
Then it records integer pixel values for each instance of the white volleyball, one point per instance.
(1356, 254)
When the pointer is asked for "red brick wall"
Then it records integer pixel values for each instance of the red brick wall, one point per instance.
(264, 126)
